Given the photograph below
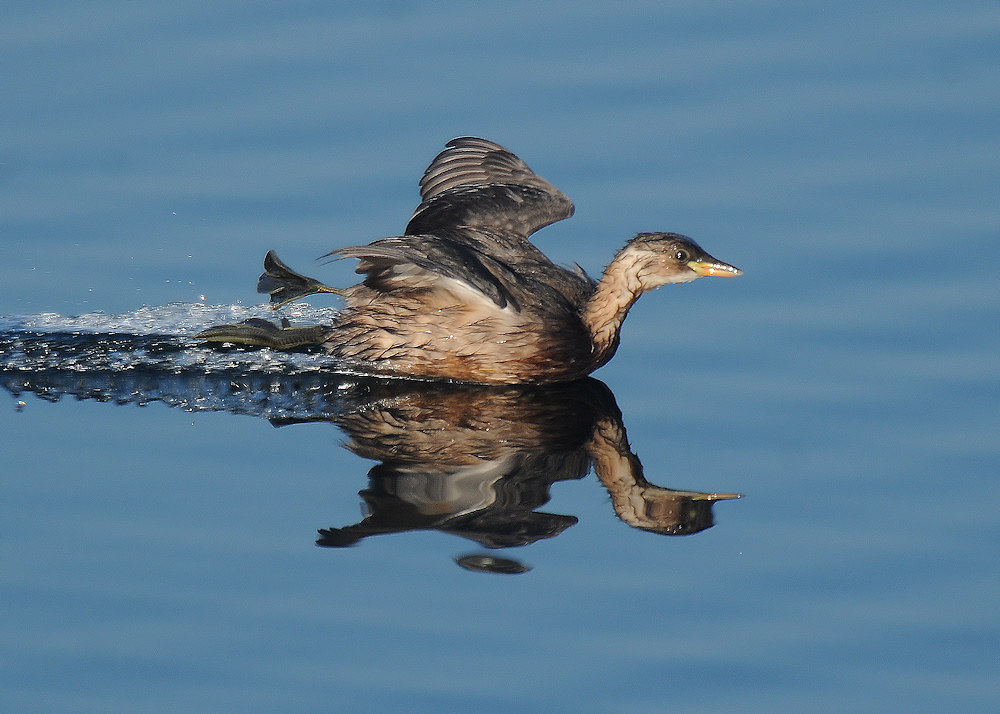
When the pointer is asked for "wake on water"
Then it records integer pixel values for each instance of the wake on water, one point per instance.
(150, 337)
(152, 355)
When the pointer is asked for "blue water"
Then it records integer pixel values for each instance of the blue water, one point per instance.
(161, 500)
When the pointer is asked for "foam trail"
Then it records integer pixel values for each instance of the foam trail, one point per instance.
(151, 355)
(177, 319)
(159, 338)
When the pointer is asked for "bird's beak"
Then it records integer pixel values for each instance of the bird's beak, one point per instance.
(711, 266)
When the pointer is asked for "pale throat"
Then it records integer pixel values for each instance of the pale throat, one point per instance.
(605, 312)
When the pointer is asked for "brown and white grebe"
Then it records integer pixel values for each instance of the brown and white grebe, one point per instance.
(464, 295)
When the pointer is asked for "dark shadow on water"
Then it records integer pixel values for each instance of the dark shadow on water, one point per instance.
(474, 461)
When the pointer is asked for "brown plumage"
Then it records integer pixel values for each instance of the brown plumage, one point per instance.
(464, 295)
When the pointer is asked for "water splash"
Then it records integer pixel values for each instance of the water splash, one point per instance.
(176, 319)
(151, 355)
(160, 338)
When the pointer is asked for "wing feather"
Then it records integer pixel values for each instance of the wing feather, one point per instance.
(476, 183)
(413, 262)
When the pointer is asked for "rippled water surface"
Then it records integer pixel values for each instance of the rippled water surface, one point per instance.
(181, 525)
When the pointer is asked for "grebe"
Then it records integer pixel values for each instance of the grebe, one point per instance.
(463, 295)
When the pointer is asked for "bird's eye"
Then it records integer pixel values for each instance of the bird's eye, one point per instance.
(681, 256)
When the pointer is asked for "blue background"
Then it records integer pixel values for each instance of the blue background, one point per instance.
(845, 157)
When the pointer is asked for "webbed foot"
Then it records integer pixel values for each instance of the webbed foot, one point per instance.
(284, 285)
(263, 333)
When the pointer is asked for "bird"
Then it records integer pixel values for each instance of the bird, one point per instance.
(464, 296)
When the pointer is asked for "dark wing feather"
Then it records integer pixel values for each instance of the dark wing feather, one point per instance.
(469, 160)
(389, 264)
(478, 184)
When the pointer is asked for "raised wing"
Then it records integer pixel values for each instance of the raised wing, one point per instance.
(475, 183)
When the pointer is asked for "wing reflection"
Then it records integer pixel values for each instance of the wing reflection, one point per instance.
(474, 461)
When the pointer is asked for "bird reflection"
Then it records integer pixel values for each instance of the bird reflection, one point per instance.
(474, 461)
(479, 461)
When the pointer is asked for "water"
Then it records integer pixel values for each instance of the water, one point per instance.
(162, 500)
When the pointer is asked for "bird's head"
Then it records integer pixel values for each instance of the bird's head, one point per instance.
(664, 258)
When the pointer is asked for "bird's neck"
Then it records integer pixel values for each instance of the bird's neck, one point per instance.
(605, 312)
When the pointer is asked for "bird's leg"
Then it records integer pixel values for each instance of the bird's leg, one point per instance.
(262, 333)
